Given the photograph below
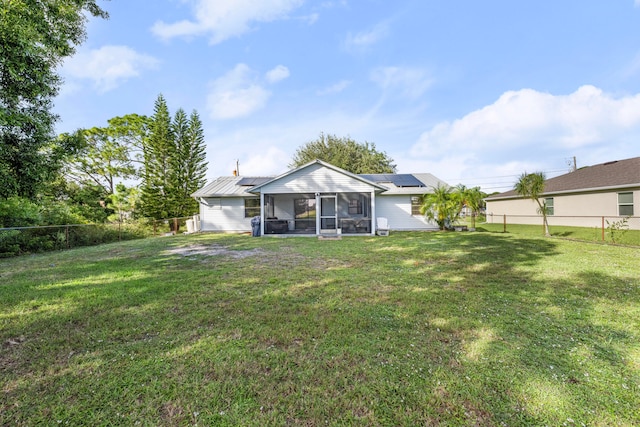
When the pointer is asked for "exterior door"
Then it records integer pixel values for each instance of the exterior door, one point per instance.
(328, 213)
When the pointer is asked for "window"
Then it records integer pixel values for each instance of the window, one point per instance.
(305, 208)
(355, 207)
(251, 208)
(416, 204)
(548, 203)
(625, 204)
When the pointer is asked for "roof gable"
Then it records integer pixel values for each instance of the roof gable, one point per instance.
(301, 178)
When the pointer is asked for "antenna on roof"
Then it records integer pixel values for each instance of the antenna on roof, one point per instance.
(236, 172)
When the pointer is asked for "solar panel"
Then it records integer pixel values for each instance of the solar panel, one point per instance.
(252, 181)
(399, 180)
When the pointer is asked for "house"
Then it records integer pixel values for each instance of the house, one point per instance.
(314, 199)
(586, 197)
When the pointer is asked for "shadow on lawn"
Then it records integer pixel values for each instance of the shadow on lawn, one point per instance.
(426, 328)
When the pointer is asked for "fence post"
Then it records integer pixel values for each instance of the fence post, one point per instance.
(175, 225)
(66, 232)
(504, 223)
(603, 229)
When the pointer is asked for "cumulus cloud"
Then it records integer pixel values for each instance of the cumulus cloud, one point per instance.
(241, 92)
(366, 39)
(408, 82)
(108, 66)
(528, 118)
(224, 19)
(278, 73)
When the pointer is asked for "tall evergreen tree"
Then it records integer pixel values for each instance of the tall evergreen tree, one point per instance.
(194, 155)
(158, 151)
(175, 166)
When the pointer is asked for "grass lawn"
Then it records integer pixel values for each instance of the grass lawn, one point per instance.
(479, 328)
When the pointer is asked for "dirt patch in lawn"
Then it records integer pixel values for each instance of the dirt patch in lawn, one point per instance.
(213, 250)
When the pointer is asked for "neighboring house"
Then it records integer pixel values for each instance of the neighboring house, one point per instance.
(586, 197)
(314, 199)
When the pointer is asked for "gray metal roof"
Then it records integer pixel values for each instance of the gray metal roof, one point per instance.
(235, 186)
(224, 186)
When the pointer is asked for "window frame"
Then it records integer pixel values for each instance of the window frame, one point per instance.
(251, 211)
(624, 204)
(416, 205)
(549, 207)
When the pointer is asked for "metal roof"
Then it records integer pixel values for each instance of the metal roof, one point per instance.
(235, 186)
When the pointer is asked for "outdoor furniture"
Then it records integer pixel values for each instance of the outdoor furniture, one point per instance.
(276, 226)
(382, 226)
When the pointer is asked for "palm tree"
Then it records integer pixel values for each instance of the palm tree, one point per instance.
(531, 186)
(472, 199)
(441, 206)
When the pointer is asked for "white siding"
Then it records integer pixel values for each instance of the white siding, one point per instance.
(397, 209)
(227, 216)
(316, 178)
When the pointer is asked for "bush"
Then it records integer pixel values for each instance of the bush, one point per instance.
(18, 212)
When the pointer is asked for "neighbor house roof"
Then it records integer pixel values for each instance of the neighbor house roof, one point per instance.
(617, 174)
(236, 186)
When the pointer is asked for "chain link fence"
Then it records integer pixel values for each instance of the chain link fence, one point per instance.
(610, 229)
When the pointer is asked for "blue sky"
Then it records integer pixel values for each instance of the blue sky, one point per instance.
(472, 92)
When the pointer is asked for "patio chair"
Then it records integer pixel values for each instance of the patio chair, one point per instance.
(382, 226)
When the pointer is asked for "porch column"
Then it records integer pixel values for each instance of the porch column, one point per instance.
(373, 213)
(261, 213)
(318, 209)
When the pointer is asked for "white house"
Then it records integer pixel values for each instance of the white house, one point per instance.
(587, 197)
(314, 199)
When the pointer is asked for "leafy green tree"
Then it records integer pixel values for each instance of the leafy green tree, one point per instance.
(102, 160)
(35, 37)
(123, 202)
(344, 153)
(442, 206)
(531, 186)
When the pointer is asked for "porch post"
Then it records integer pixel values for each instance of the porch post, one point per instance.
(261, 213)
(373, 213)
(318, 210)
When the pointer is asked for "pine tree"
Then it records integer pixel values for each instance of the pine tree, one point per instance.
(159, 149)
(175, 166)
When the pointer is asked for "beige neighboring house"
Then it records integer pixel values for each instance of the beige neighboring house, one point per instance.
(587, 197)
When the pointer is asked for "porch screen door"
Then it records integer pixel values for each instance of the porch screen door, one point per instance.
(328, 212)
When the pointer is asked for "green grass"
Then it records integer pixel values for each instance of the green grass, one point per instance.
(587, 234)
(480, 328)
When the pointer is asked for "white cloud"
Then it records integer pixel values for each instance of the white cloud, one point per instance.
(527, 130)
(527, 118)
(335, 88)
(224, 19)
(277, 74)
(366, 39)
(236, 94)
(108, 66)
(241, 92)
(408, 82)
